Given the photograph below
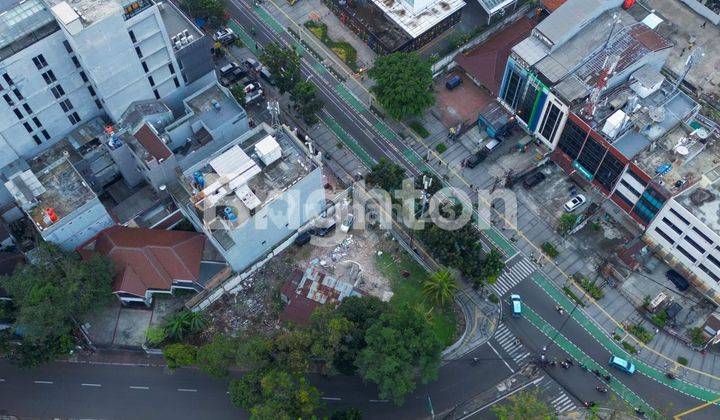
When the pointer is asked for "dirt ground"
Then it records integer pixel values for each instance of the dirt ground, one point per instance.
(460, 105)
(256, 305)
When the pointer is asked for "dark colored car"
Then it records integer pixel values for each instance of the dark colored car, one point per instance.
(322, 231)
(453, 82)
(533, 179)
(303, 238)
(679, 281)
(476, 159)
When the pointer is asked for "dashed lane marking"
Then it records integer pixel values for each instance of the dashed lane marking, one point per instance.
(187, 390)
(139, 387)
(92, 385)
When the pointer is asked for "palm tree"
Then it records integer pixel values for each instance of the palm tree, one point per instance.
(440, 287)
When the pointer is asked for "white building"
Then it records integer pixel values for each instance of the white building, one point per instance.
(62, 63)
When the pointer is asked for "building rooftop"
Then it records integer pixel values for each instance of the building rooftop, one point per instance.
(22, 23)
(417, 20)
(213, 106)
(180, 29)
(91, 11)
(140, 111)
(246, 174)
(571, 17)
(153, 148)
(703, 200)
(51, 193)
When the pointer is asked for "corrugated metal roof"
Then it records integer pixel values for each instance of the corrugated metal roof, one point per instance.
(569, 18)
(531, 50)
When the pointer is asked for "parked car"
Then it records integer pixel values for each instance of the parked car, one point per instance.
(228, 68)
(533, 179)
(678, 280)
(322, 231)
(303, 238)
(622, 364)
(476, 159)
(453, 82)
(493, 144)
(347, 223)
(225, 36)
(575, 203)
(266, 75)
(252, 64)
(232, 77)
(516, 305)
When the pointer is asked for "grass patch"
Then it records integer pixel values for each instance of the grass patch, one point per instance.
(407, 290)
(660, 318)
(641, 333)
(697, 336)
(549, 250)
(440, 148)
(419, 129)
(573, 296)
(342, 49)
(629, 348)
(616, 337)
(683, 361)
(592, 289)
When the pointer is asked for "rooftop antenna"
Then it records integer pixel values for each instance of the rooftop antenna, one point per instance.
(694, 57)
(615, 21)
(607, 70)
(274, 108)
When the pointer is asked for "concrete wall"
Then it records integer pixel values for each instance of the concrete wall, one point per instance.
(79, 226)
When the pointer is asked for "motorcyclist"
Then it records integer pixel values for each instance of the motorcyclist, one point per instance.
(601, 388)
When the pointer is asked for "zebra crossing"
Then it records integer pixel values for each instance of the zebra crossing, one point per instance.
(511, 345)
(513, 275)
(563, 403)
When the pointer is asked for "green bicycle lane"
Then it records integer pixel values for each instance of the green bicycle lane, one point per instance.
(612, 346)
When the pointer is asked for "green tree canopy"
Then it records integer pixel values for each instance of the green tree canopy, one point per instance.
(179, 354)
(216, 356)
(492, 266)
(523, 405)
(52, 294)
(401, 347)
(254, 352)
(566, 223)
(284, 64)
(184, 324)
(306, 102)
(212, 10)
(403, 84)
(275, 394)
(440, 287)
(386, 175)
(238, 92)
(347, 414)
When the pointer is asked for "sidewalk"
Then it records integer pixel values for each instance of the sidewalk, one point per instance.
(481, 317)
(117, 357)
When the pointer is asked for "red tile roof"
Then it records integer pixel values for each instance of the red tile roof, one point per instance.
(152, 143)
(486, 62)
(150, 259)
(552, 5)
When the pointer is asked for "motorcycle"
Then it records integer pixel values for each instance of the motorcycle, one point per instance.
(560, 310)
(569, 362)
(601, 389)
(565, 365)
(474, 360)
(589, 404)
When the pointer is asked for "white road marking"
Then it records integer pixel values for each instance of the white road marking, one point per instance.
(43, 382)
(535, 382)
(187, 390)
(500, 357)
(139, 387)
(95, 385)
(2, 380)
(379, 401)
(331, 398)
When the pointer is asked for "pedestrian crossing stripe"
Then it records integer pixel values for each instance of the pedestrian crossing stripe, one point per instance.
(563, 403)
(513, 275)
(509, 343)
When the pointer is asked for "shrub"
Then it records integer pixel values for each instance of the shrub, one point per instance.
(155, 335)
(640, 332)
(178, 355)
(573, 296)
(342, 49)
(697, 336)
(629, 348)
(592, 289)
(683, 361)
(660, 318)
(616, 337)
(549, 250)
(440, 148)
(418, 128)
(493, 298)
(566, 223)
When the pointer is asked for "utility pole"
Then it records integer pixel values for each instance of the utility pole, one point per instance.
(430, 407)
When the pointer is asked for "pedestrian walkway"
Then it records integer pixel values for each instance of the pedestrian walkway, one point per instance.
(563, 403)
(512, 275)
(511, 345)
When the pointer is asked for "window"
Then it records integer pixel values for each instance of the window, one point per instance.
(682, 219)
(74, 118)
(46, 135)
(686, 254)
(8, 79)
(623, 199)
(37, 122)
(672, 226)
(694, 244)
(572, 139)
(18, 94)
(27, 108)
(713, 260)
(76, 62)
(49, 77)
(36, 138)
(180, 64)
(591, 155)
(550, 122)
(132, 36)
(9, 100)
(66, 105)
(157, 95)
(151, 80)
(83, 76)
(91, 90)
(138, 52)
(702, 235)
(171, 68)
(630, 187)
(98, 104)
(144, 66)
(177, 83)
(68, 48)
(57, 91)
(18, 114)
(664, 235)
(526, 106)
(27, 127)
(39, 61)
(709, 273)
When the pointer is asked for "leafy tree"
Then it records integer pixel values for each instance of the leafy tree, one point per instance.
(215, 357)
(254, 352)
(523, 405)
(401, 347)
(492, 266)
(566, 223)
(292, 350)
(284, 64)
(386, 175)
(52, 294)
(330, 337)
(212, 10)
(238, 92)
(275, 394)
(347, 414)
(362, 312)
(184, 324)
(440, 287)
(306, 102)
(403, 84)
(33, 353)
(179, 354)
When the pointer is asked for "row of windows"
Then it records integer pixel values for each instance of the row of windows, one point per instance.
(550, 122)
(572, 139)
(39, 62)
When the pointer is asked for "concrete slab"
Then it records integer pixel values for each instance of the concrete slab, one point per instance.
(101, 323)
(132, 327)
(461, 104)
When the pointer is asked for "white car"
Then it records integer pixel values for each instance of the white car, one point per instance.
(347, 223)
(574, 203)
(225, 36)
